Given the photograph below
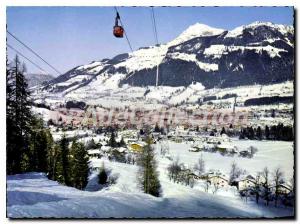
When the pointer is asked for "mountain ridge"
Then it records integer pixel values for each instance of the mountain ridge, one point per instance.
(260, 52)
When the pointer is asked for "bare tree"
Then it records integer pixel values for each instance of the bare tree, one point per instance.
(292, 193)
(257, 186)
(206, 185)
(192, 182)
(200, 166)
(252, 150)
(174, 170)
(292, 185)
(235, 172)
(216, 187)
(278, 179)
(164, 148)
(266, 184)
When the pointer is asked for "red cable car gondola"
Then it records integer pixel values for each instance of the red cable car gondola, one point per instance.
(118, 30)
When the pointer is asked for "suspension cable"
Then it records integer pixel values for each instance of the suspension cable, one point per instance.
(18, 52)
(124, 29)
(32, 51)
(154, 25)
(156, 38)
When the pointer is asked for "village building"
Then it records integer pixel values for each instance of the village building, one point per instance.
(94, 153)
(245, 182)
(218, 179)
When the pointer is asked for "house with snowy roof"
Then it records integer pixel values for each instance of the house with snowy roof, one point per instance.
(218, 178)
(94, 153)
(245, 182)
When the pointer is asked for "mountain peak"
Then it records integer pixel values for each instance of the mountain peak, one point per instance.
(261, 23)
(239, 30)
(196, 30)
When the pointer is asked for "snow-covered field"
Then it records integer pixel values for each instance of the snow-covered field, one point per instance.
(271, 154)
(33, 195)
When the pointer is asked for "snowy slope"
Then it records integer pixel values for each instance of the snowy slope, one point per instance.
(34, 196)
(37, 79)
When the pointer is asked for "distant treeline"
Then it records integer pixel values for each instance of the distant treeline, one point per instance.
(274, 132)
(269, 100)
(209, 98)
(75, 104)
(229, 95)
(226, 96)
(41, 105)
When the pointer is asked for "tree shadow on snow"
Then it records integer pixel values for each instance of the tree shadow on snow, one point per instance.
(29, 198)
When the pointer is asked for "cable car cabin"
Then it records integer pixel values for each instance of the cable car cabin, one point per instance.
(118, 31)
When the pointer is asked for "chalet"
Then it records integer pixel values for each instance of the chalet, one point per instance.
(245, 153)
(219, 179)
(196, 147)
(94, 153)
(105, 148)
(121, 149)
(137, 146)
(194, 176)
(180, 131)
(185, 172)
(225, 147)
(245, 182)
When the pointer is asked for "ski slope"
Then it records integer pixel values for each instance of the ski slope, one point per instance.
(32, 195)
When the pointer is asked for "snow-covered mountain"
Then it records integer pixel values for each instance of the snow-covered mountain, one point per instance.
(258, 53)
(37, 79)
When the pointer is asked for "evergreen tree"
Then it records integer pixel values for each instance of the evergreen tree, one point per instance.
(80, 165)
(148, 175)
(102, 176)
(142, 132)
(41, 141)
(65, 160)
(258, 133)
(112, 141)
(273, 132)
(18, 118)
(91, 144)
(273, 113)
(223, 131)
(242, 134)
(250, 132)
(156, 128)
(267, 132)
(11, 127)
(55, 171)
(122, 143)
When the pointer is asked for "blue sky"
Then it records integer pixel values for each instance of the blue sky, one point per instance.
(71, 36)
